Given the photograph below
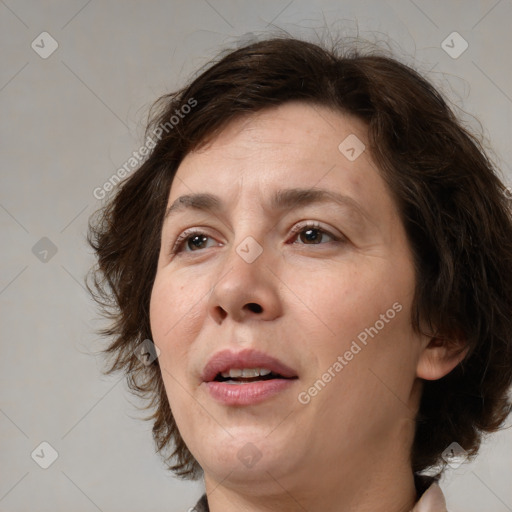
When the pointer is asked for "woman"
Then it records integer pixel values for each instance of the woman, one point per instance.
(320, 256)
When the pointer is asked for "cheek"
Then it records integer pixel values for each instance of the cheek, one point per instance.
(174, 318)
(372, 383)
(364, 314)
(170, 314)
(344, 300)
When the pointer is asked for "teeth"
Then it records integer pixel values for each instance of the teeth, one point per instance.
(246, 372)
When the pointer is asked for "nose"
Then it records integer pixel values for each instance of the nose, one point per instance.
(245, 290)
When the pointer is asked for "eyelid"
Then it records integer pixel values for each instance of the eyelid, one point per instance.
(182, 237)
(296, 229)
(302, 225)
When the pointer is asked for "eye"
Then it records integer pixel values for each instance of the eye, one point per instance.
(313, 233)
(192, 239)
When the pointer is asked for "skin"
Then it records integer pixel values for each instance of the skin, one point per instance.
(348, 448)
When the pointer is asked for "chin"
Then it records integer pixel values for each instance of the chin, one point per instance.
(248, 454)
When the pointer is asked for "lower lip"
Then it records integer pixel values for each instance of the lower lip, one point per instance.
(247, 394)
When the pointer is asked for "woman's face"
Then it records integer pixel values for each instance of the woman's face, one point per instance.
(326, 308)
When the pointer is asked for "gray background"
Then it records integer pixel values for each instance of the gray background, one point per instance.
(68, 122)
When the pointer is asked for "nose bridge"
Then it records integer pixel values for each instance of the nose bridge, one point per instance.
(249, 230)
(250, 249)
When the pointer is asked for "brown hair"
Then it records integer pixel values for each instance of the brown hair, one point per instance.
(453, 206)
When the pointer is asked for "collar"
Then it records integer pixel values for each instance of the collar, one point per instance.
(431, 497)
(432, 500)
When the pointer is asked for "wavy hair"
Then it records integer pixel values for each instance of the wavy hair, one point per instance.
(452, 203)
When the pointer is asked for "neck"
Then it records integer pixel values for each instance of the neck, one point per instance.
(376, 488)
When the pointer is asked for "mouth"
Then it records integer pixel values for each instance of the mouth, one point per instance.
(246, 377)
(245, 366)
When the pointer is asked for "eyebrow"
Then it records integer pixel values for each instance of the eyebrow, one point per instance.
(281, 200)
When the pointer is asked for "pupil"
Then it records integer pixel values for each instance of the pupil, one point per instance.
(197, 238)
(308, 235)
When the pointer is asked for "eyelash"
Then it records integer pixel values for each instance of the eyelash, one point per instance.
(295, 231)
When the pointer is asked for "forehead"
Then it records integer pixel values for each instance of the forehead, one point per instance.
(286, 128)
(294, 141)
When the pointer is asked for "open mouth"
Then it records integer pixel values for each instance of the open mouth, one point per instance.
(247, 375)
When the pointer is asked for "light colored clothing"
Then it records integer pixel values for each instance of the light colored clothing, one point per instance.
(432, 500)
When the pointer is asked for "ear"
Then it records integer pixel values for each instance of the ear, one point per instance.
(440, 356)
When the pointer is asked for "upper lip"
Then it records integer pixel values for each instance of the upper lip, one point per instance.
(224, 360)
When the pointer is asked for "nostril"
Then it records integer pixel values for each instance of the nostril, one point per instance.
(256, 308)
(222, 313)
